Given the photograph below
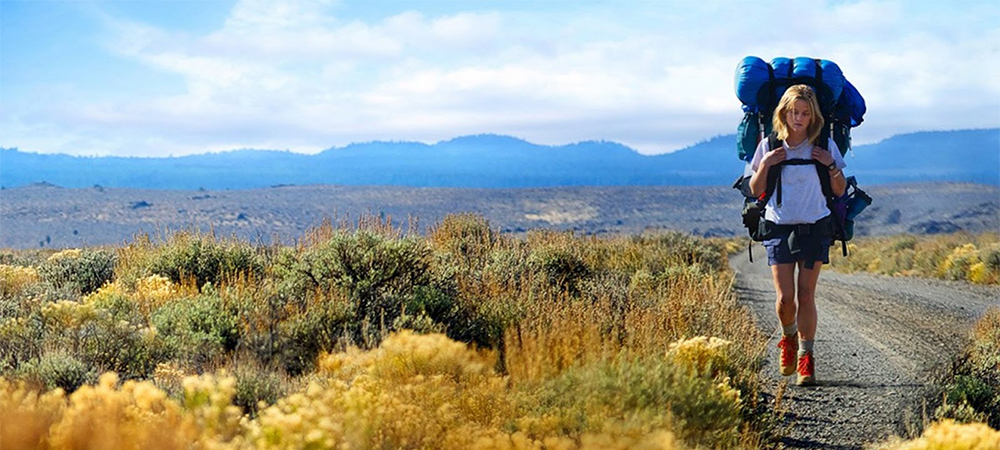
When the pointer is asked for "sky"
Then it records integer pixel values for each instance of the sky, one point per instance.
(160, 78)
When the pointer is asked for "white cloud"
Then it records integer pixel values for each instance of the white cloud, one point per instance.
(656, 77)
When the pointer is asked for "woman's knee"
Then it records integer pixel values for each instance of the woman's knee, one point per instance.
(786, 299)
(806, 294)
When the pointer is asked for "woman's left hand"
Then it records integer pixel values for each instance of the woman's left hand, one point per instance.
(822, 155)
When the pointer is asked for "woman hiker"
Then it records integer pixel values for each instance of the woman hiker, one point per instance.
(801, 222)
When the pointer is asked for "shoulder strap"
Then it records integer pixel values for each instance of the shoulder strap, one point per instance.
(773, 142)
(824, 180)
(773, 174)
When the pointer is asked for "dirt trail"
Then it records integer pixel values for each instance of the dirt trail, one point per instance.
(879, 342)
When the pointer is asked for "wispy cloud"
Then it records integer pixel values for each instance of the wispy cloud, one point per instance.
(308, 76)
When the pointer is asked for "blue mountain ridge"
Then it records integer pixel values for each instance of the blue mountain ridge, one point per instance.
(490, 160)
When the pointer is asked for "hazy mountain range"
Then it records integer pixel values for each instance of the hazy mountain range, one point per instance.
(494, 161)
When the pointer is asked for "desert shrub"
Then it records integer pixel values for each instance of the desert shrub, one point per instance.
(466, 240)
(411, 392)
(106, 331)
(198, 329)
(323, 327)
(83, 271)
(691, 250)
(956, 265)
(285, 329)
(992, 258)
(128, 349)
(134, 415)
(959, 256)
(27, 415)
(635, 395)
(21, 339)
(946, 435)
(14, 280)
(257, 386)
(971, 392)
(378, 273)
(57, 369)
(202, 259)
(563, 269)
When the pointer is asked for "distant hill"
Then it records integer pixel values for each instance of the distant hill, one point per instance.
(494, 161)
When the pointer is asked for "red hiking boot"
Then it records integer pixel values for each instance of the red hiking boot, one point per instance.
(789, 346)
(807, 370)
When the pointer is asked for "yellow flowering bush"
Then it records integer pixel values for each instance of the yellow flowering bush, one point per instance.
(26, 416)
(71, 253)
(15, 279)
(209, 400)
(949, 435)
(106, 295)
(979, 273)
(154, 291)
(956, 265)
(415, 391)
(701, 354)
(959, 256)
(133, 415)
(67, 314)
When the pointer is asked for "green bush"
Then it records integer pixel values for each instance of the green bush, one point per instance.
(642, 394)
(377, 273)
(114, 337)
(255, 384)
(561, 268)
(198, 329)
(21, 339)
(303, 336)
(464, 240)
(58, 369)
(204, 260)
(972, 390)
(81, 271)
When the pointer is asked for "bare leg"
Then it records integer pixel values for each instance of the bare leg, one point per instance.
(807, 300)
(784, 287)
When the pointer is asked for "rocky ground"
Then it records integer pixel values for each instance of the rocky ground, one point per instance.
(50, 216)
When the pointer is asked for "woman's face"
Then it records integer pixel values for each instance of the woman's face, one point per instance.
(799, 116)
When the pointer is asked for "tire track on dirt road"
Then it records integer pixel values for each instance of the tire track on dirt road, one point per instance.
(880, 340)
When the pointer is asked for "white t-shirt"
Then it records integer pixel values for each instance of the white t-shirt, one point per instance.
(801, 193)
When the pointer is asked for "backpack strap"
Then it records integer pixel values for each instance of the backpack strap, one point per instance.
(774, 179)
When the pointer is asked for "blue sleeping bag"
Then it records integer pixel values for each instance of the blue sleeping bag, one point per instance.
(760, 85)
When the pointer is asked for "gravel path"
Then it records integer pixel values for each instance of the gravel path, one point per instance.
(879, 342)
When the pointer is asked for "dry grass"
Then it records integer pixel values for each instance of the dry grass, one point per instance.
(961, 257)
(551, 341)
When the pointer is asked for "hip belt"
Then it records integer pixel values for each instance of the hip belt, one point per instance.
(821, 228)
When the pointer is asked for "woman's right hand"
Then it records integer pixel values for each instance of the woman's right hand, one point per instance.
(773, 157)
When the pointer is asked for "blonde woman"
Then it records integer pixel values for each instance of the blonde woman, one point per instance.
(798, 222)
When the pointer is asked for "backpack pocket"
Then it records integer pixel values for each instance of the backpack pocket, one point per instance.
(752, 219)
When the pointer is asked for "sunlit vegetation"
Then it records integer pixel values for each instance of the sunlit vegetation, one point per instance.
(971, 392)
(959, 257)
(365, 336)
(949, 435)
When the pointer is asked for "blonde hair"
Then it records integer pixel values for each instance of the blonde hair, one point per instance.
(798, 92)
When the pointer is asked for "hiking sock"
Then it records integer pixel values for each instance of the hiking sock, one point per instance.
(791, 329)
(805, 347)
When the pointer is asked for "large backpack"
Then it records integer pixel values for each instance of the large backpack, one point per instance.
(759, 86)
